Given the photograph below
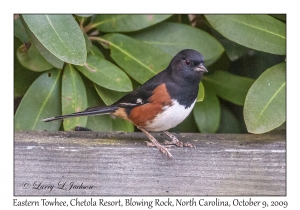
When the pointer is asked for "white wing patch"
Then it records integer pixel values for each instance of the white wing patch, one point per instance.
(139, 101)
(127, 104)
(172, 116)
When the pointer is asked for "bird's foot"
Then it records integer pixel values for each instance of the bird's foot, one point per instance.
(156, 143)
(150, 144)
(175, 141)
(163, 149)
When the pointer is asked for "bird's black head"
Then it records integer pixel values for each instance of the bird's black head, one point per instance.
(187, 67)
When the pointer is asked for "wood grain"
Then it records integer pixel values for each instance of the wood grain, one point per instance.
(120, 164)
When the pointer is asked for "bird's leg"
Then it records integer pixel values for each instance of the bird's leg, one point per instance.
(176, 141)
(156, 143)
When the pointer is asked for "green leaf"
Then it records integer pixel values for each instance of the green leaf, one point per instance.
(230, 87)
(122, 125)
(73, 97)
(84, 15)
(126, 22)
(32, 59)
(88, 42)
(233, 50)
(255, 63)
(201, 93)
(23, 78)
(42, 100)
(174, 37)
(228, 123)
(260, 32)
(265, 106)
(207, 113)
(108, 96)
(19, 30)
(56, 62)
(105, 74)
(95, 51)
(97, 123)
(141, 61)
(100, 123)
(60, 35)
(281, 17)
(104, 122)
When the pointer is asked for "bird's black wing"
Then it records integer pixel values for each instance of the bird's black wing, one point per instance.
(142, 94)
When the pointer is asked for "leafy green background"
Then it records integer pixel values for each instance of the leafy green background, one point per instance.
(66, 63)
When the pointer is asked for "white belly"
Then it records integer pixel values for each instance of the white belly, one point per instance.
(172, 116)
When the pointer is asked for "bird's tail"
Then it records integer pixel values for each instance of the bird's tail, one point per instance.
(87, 112)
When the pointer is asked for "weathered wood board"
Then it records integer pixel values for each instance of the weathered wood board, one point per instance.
(47, 163)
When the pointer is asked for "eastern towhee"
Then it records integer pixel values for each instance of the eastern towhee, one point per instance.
(162, 102)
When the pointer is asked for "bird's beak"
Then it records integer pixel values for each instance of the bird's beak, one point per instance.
(201, 67)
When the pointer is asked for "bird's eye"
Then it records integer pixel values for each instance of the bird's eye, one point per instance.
(187, 62)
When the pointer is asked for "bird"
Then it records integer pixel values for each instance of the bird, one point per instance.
(161, 103)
